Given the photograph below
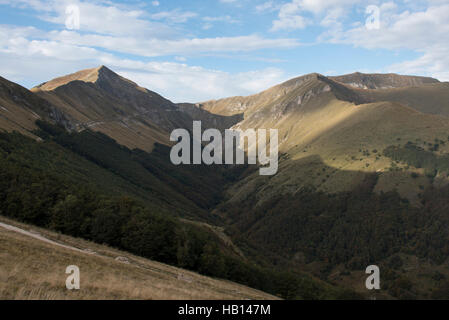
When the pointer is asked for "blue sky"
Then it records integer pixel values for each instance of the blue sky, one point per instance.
(203, 49)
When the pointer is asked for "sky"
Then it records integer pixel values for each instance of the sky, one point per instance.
(197, 50)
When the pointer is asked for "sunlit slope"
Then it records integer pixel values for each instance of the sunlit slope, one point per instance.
(335, 155)
(382, 81)
(104, 101)
(250, 104)
(325, 126)
(428, 98)
(297, 90)
(34, 269)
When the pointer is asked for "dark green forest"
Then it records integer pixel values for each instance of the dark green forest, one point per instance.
(418, 157)
(354, 229)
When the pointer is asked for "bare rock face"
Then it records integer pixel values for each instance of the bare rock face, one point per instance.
(122, 260)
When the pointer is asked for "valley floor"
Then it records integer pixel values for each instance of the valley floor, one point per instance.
(33, 262)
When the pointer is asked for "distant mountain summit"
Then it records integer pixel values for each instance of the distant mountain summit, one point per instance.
(87, 75)
(101, 93)
(101, 76)
(382, 81)
(340, 122)
(102, 100)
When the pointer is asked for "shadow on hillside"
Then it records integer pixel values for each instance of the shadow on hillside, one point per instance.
(347, 231)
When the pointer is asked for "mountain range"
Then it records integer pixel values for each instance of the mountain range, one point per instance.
(363, 176)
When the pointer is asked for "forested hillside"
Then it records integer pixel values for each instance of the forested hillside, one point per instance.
(62, 184)
(335, 235)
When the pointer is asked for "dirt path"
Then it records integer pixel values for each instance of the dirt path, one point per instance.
(41, 238)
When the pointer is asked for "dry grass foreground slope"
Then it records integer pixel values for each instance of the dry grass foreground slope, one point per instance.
(31, 268)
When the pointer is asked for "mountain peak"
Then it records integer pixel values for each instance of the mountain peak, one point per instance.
(298, 81)
(93, 75)
(105, 71)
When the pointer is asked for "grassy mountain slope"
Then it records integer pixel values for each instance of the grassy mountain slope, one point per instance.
(19, 109)
(101, 100)
(104, 101)
(102, 275)
(303, 87)
(428, 98)
(382, 81)
(350, 190)
(317, 116)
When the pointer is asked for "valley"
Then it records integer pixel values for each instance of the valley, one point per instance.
(363, 179)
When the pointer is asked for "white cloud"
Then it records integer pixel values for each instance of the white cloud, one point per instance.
(31, 56)
(223, 19)
(125, 30)
(268, 6)
(174, 16)
(425, 31)
(290, 22)
(293, 15)
(434, 62)
(98, 17)
(14, 38)
(41, 60)
(109, 27)
(410, 30)
(290, 17)
(181, 59)
(319, 6)
(207, 26)
(235, 3)
(422, 27)
(160, 47)
(227, 19)
(194, 84)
